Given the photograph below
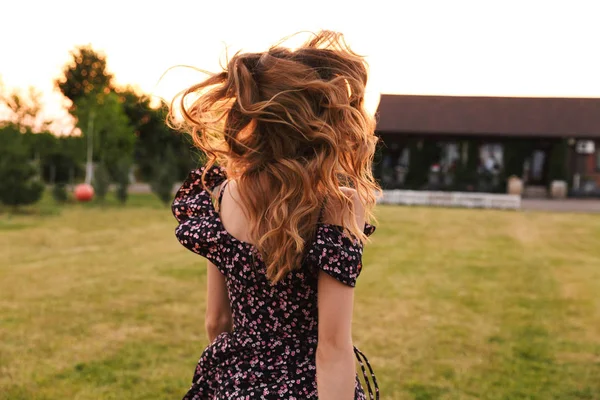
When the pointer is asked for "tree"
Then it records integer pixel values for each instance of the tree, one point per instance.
(154, 136)
(164, 176)
(57, 158)
(106, 129)
(87, 83)
(122, 178)
(101, 181)
(64, 163)
(24, 109)
(19, 183)
(59, 193)
(39, 147)
(84, 74)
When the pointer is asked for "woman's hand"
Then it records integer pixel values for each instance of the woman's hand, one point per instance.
(218, 311)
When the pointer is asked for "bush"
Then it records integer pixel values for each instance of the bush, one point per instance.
(164, 177)
(21, 188)
(122, 179)
(59, 193)
(19, 180)
(101, 181)
(121, 193)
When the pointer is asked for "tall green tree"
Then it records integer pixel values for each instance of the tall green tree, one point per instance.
(154, 136)
(84, 74)
(109, 136)
(86, 81)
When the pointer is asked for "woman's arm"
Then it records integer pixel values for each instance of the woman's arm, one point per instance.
(336, 372)
(335, 353)
(218, 311)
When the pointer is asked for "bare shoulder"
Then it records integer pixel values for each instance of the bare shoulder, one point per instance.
(336, 212)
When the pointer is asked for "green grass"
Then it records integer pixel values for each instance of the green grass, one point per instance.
(100, 302)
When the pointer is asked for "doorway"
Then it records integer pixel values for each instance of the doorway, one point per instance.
(535, 170)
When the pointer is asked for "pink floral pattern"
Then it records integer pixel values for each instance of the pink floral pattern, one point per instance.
(270, 354)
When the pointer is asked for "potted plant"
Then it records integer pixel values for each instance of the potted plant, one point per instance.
(515, 185)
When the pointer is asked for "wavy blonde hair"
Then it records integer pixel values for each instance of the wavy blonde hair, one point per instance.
(290, 127)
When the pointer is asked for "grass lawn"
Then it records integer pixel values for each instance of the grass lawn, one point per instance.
(101, 303)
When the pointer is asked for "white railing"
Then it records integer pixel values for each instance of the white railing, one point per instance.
(451, 199)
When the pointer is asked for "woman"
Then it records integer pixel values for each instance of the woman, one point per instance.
(281, 220)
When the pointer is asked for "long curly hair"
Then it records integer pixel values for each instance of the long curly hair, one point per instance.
(290, 127)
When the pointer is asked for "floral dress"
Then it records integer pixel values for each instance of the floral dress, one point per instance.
(270, 354)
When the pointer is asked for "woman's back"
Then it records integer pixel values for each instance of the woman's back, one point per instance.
(275, 326)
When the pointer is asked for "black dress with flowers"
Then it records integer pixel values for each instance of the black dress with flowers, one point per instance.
(270, 354)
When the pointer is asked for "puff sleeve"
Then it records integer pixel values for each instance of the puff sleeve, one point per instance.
(198, 229)
(337, 254)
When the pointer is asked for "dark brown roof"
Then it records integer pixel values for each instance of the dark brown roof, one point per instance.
(497, 116)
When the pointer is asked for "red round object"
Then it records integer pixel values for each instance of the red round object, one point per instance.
(84, 192)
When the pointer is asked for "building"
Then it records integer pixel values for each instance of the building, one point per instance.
(475, 143)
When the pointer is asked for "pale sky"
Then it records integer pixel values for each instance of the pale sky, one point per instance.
(448, 47)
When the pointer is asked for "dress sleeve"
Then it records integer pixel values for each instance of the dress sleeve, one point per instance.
(337, 254)
(197, 228)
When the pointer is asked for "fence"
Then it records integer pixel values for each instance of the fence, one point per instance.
(451, 199)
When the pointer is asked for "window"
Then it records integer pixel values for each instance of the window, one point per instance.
(492, 157)
(450, 155)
